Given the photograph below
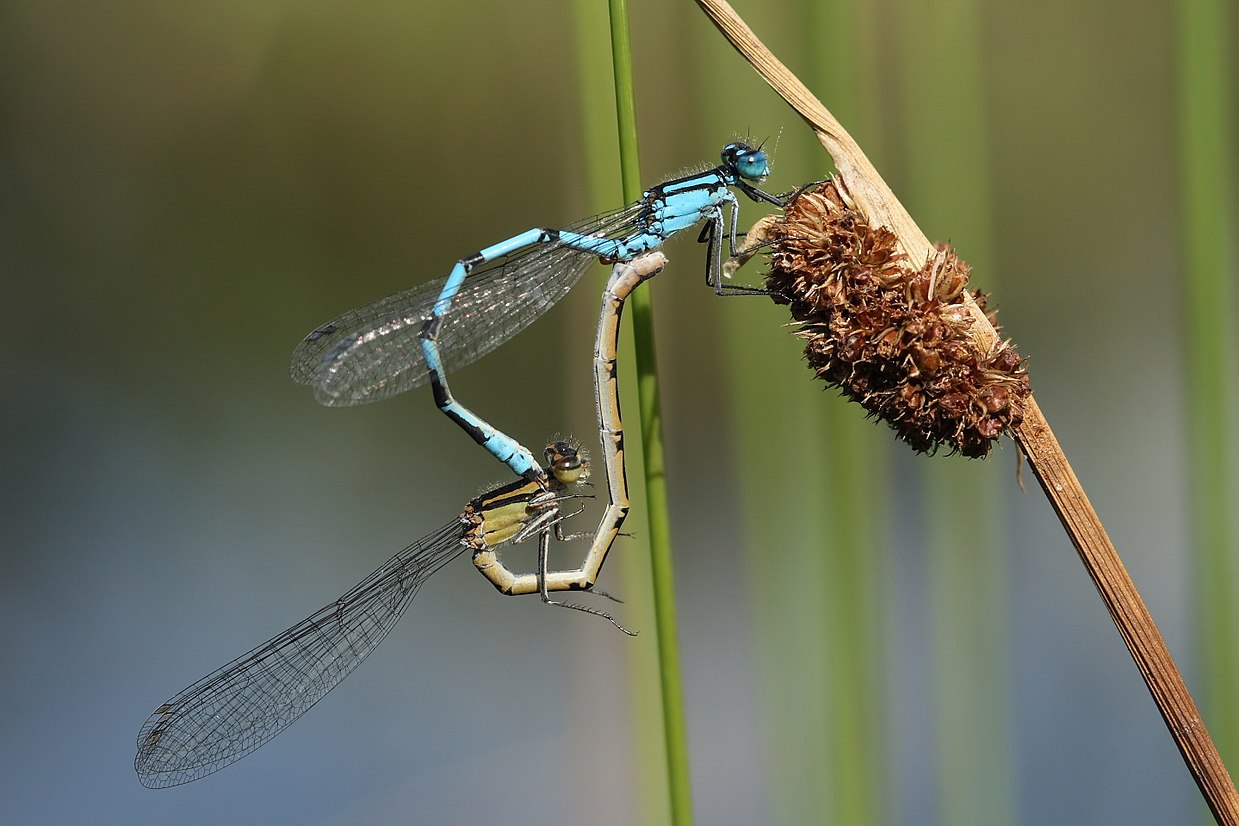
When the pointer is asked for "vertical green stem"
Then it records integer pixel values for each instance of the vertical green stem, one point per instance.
(595, 78)
(678, 779)
(1207, 219)
(625, 104)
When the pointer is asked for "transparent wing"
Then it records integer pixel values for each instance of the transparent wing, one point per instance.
(326, 337)
(229, 713)
(374, 352)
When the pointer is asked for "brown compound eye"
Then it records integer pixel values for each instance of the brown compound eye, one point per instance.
(564, 462)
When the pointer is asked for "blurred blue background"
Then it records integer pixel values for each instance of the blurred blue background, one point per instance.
(191, 187)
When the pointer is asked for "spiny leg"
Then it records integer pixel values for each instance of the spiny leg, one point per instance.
(544, 541)
(712, 236)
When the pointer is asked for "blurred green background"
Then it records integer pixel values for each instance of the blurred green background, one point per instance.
(868, 636)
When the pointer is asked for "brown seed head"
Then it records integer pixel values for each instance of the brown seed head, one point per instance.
(894, 337)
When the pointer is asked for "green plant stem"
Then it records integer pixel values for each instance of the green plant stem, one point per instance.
(678, 778)
(1207, 220)
(595, 81)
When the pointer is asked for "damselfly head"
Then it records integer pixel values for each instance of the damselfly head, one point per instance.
(566, 463)
(748, 163)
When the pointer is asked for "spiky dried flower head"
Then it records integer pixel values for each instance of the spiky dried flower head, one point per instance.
(893, 337)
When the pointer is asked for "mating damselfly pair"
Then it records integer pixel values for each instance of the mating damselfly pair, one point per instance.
(417, 337)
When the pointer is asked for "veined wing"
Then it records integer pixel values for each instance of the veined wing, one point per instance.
(375, 351)
(308, 354)
(230, 712)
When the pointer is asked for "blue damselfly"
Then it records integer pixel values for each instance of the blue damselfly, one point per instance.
(421, 334)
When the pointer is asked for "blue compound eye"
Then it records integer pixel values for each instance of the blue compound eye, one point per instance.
(749, 163)
(753, 165)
